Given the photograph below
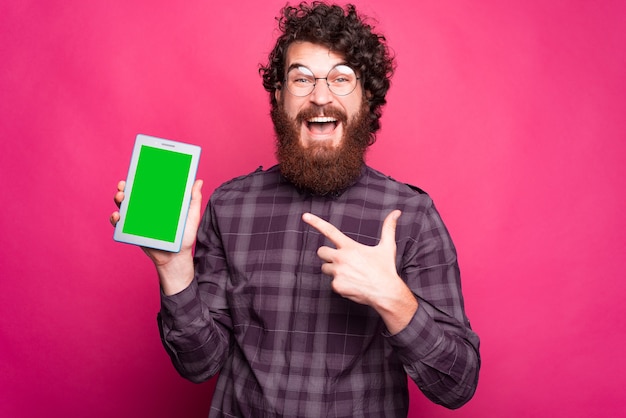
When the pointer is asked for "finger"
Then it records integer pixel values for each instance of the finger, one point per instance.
(119, 196)
(115, 217)
(326, 254)
(197, 188)
(196, 198)
(328, 269)
(388, 233)
(196, 192)
(326, 229)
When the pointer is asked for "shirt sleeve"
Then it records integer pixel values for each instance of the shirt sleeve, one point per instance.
(195, 324)
(438, 348)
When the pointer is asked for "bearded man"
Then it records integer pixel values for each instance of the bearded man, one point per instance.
(319, 284)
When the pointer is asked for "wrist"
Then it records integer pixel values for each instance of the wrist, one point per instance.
(397, 307)
(175, 273)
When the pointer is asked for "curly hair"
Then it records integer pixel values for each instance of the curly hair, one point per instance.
(343, 31)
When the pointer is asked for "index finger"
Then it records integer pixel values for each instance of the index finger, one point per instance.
(119, 195)
(327, 229)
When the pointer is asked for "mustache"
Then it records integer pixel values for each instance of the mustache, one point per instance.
(328, 111)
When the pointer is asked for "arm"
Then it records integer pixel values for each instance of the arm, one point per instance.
(188, 329)
(438, 347)
(429, 332)
(195, 324)
(367, 275)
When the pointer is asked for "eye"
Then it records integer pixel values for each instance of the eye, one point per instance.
(341, 74)
(341, 79)
(301, 77)
(301, 80)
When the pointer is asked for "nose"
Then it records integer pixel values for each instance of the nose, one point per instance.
(321, 94)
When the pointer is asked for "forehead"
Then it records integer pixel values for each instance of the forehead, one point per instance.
(317, 58)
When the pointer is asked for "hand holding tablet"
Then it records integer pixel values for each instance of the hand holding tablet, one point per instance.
(157, 193)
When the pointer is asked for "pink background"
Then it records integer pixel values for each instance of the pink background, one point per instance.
(510, 114)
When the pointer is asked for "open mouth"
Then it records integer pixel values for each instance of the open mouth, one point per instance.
(322, 124)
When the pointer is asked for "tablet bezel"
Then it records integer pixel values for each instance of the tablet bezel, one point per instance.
(168, 145)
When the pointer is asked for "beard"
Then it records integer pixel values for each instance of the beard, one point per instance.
(321, 169)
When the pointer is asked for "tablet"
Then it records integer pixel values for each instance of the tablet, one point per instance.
(157, 194)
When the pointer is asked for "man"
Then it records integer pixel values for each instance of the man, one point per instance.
(309, 317)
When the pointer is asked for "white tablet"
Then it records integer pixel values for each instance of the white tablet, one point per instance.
(157, 194)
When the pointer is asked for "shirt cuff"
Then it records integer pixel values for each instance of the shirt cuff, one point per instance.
(419, 338)
(180, 309)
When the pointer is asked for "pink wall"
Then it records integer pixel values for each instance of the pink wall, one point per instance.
(511, 114)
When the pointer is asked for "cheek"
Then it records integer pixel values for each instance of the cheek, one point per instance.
(352, 104)
(353, 111)
(291, 106)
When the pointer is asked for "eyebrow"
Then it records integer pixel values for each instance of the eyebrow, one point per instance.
(297, 64)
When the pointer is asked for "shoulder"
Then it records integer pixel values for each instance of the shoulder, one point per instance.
(419, 212)
(416, 205)
(377, 180)
(244, 183)
(251, 186)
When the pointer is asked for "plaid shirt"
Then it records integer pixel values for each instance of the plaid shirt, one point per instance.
(262, 314)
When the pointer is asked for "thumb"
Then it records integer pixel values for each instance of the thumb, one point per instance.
(195, 205)
(388, 233)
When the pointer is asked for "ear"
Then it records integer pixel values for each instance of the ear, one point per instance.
(278, 92)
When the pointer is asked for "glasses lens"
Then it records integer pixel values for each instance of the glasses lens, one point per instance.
(341, 80)
(300, 81)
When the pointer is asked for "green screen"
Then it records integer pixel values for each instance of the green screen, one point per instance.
(157, 194)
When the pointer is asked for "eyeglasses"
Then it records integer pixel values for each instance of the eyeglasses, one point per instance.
(341, 80)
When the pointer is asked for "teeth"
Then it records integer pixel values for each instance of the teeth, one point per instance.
(322, 119)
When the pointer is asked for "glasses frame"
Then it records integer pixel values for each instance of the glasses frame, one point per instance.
(321, 78)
